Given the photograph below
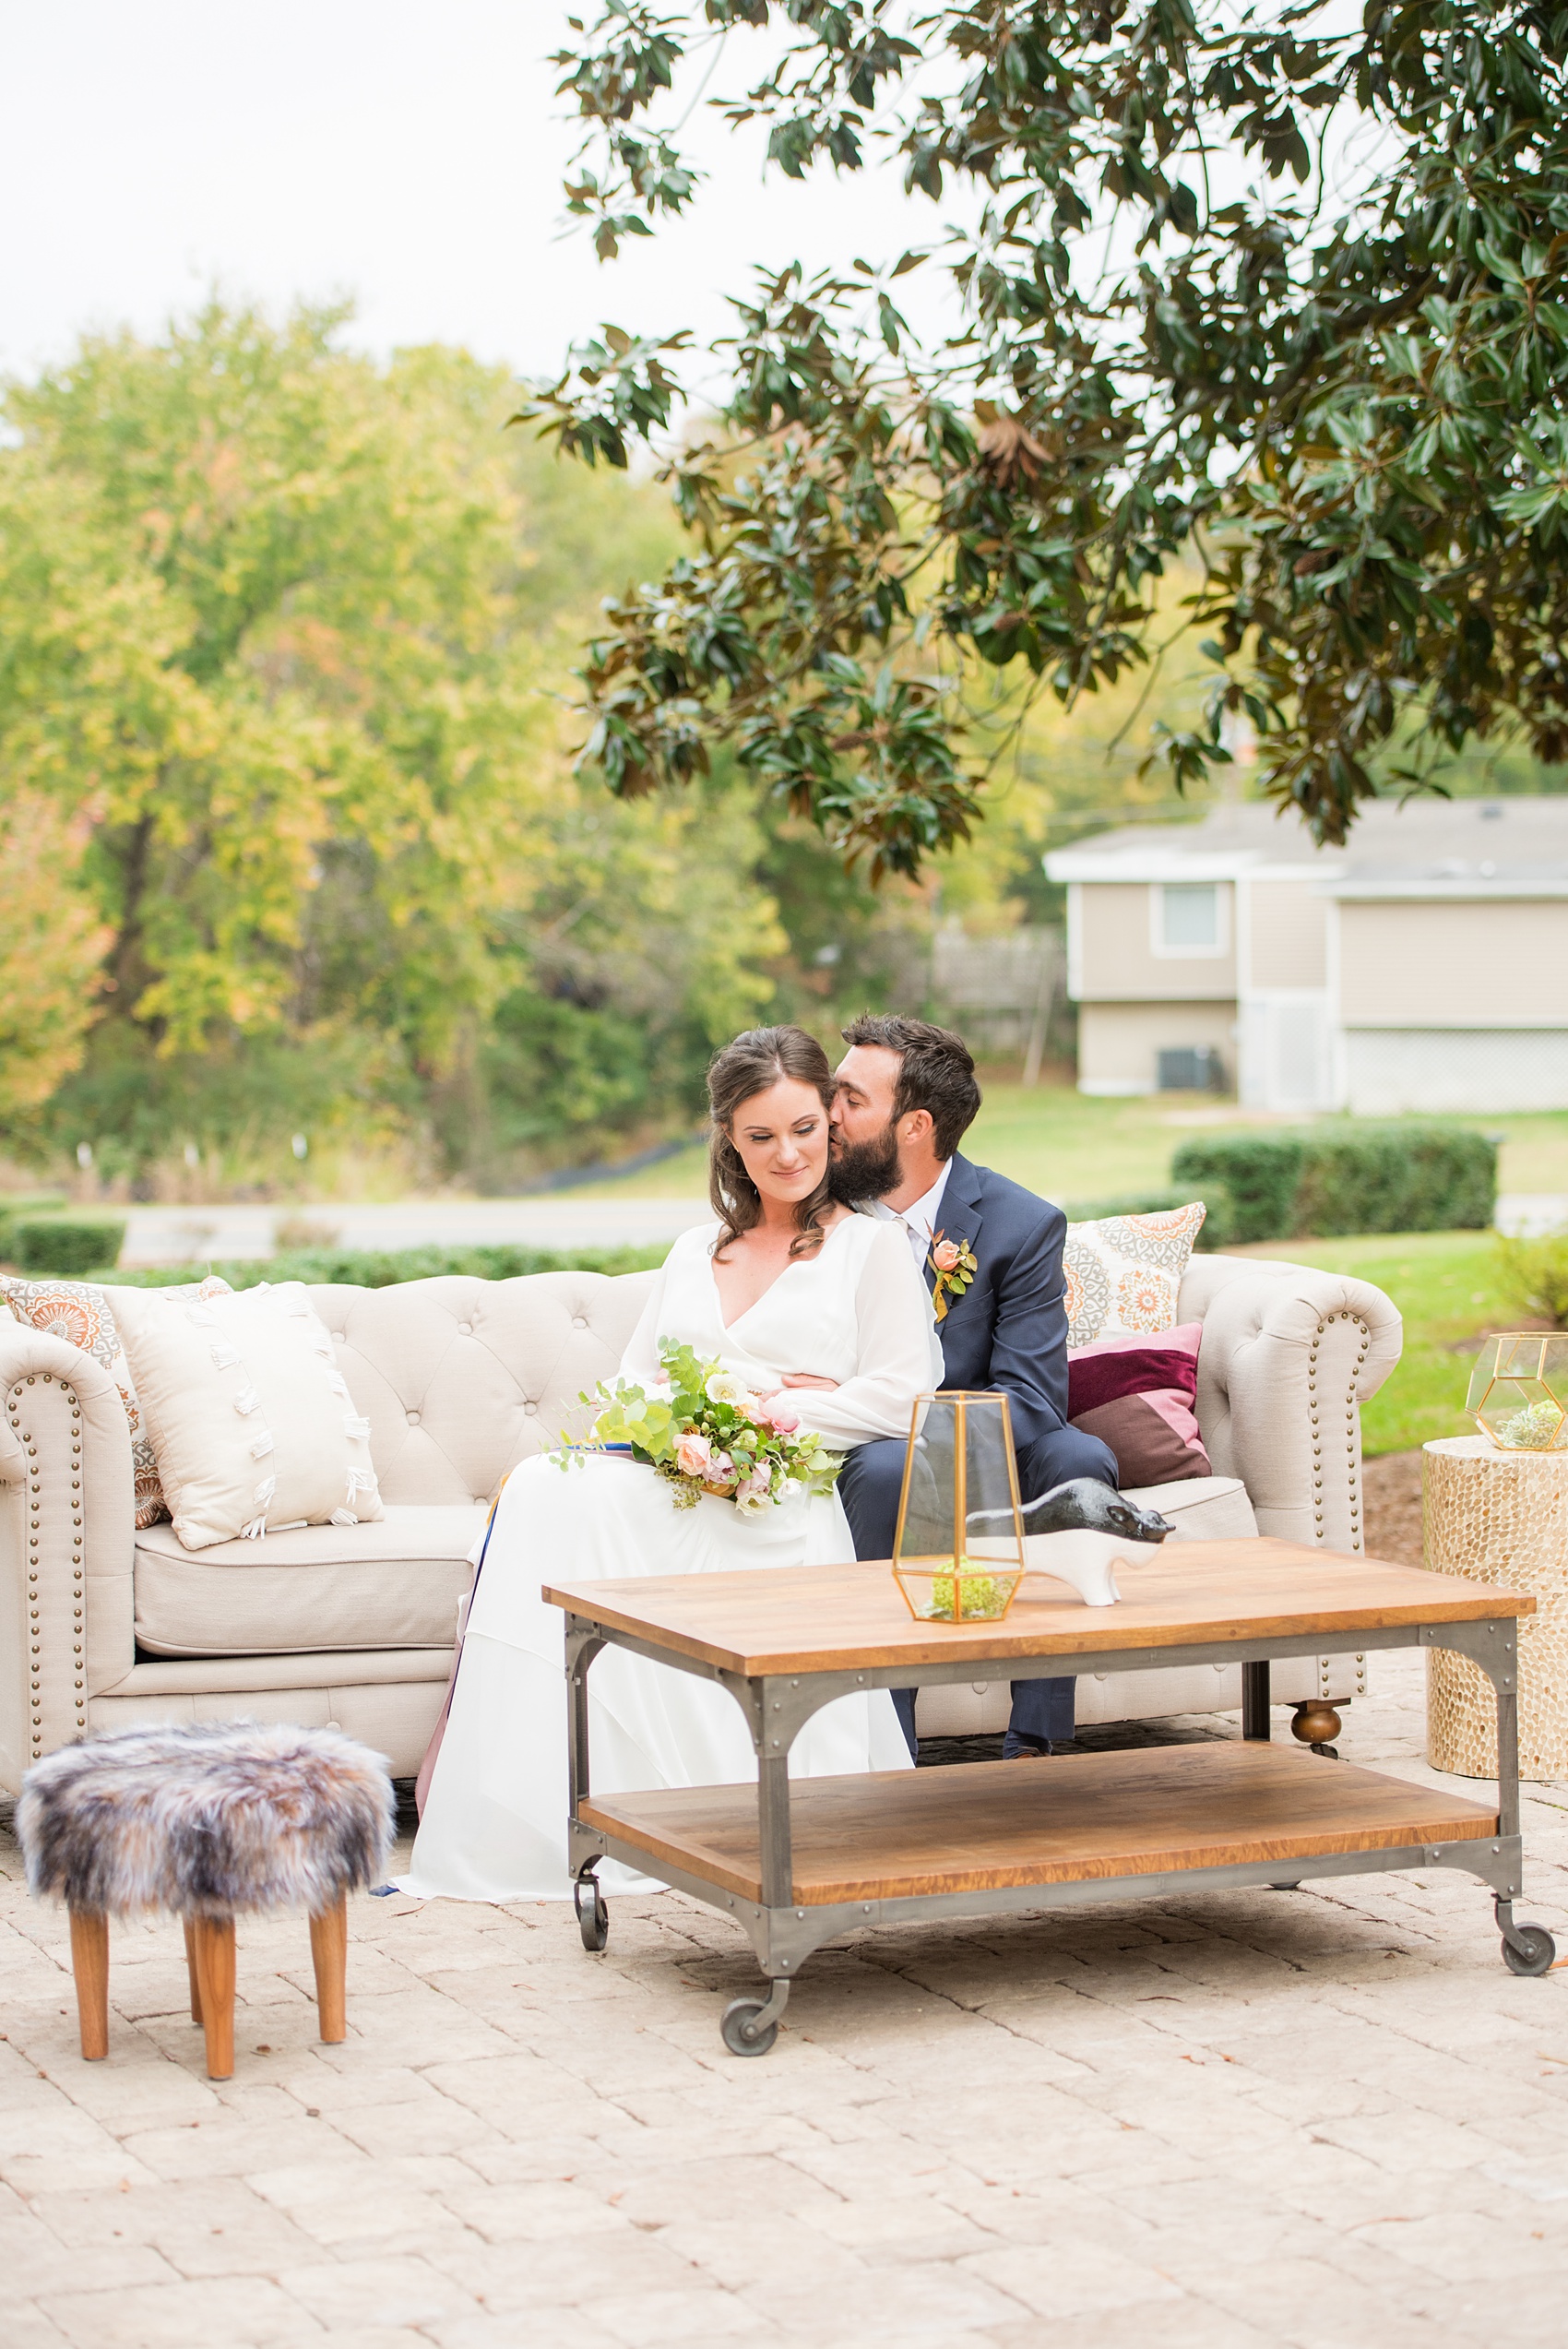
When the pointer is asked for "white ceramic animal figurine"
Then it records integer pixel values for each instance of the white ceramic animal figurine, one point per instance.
(1078, 1530)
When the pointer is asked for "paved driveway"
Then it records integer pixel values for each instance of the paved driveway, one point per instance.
(1320, 2118)
(191, 1234)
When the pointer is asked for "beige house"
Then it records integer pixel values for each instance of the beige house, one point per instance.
(1424, 967)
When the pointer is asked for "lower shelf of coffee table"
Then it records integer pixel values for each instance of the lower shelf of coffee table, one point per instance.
(982, 1826)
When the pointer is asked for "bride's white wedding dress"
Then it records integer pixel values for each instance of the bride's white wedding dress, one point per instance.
(494, 1823)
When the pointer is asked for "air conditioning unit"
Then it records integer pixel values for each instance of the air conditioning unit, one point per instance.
(1189, 1068)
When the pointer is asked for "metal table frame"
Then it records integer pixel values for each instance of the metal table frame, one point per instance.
(777, 1708)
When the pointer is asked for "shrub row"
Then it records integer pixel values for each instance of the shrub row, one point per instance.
(65, 1245)
(385, 1268)
(1403, 1177)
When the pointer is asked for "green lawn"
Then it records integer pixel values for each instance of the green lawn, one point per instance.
(1068, 1147)
(1446, 1286)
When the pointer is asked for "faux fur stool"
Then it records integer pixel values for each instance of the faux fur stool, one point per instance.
(204, 1822)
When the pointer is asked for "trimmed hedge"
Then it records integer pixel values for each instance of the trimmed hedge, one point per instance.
(27, 1205)
(1406, 1175)
(386, 1268)
(64, 1246)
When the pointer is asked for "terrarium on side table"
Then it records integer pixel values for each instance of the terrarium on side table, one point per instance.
(958, 1552)
(1519, 1391)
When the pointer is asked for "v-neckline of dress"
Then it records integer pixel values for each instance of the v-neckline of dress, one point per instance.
(798, 1264)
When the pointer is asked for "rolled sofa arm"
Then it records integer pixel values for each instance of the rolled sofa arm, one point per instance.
(67, 1539)
(1288, 1356)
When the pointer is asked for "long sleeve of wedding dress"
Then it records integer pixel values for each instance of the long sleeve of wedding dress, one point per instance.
(493, 1828)
(898, 1356)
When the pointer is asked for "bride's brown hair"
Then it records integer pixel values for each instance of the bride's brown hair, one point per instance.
(747, 1066)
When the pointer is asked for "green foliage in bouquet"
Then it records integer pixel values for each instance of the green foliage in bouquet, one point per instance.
(707, 1432)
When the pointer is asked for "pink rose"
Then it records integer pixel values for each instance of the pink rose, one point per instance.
(720, 1468)
(694, 1454)
(780, 1418)
(945, 1255)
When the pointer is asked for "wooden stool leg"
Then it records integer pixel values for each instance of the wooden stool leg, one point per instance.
(191, 1970)
(214, 1939)
(89, 1965)
(329, 1952)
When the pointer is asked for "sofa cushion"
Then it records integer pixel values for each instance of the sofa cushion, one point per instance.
(393, 1583)
(1201, 1509)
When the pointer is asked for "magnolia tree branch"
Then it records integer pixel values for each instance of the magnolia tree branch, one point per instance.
(1179, 336)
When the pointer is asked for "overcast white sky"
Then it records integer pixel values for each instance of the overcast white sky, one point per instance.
(409, 152)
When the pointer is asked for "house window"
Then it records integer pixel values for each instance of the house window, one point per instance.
(1189, 918)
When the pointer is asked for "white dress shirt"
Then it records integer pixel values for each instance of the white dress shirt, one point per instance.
(921, 1219)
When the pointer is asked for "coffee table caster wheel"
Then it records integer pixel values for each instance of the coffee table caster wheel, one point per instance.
(593, 1917)
(1534, 1952)
(740, 2030)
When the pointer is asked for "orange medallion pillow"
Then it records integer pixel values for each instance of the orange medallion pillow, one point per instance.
(1124, 1272)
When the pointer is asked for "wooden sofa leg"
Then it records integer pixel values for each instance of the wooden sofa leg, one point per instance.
(1317, 1724)
(214, 1942)
(89, 1965)
(329, 1952)
(191, 1970)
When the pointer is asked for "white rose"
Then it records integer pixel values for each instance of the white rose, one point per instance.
(723, 1387)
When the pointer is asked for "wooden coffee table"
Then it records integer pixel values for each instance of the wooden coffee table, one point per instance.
(796, 1865)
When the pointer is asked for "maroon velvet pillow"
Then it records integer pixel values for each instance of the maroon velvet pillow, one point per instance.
(1137, 1394)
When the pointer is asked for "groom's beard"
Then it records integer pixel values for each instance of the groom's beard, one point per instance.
(858, 1171)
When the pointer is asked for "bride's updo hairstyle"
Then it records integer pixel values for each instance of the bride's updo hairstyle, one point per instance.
(747, 1066)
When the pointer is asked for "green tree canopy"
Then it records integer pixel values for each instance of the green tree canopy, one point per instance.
(1238, 284)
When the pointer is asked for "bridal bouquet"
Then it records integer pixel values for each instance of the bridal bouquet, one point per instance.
(700, 1427)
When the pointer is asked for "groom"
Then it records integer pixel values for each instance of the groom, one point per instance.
(905, 1094)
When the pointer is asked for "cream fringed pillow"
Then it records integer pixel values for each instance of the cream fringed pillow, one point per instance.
(248, 1414)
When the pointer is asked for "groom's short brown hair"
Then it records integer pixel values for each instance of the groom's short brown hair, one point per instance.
(936, 1072)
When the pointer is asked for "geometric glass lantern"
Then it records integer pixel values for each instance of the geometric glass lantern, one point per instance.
(959, 1552)
(1519, 1391)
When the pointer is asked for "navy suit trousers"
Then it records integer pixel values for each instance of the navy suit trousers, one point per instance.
(869, 1487)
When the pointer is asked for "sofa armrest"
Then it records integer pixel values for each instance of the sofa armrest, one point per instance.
(66, 1544)
(1288, 1356)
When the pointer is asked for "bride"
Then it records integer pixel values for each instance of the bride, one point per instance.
(791, 1291)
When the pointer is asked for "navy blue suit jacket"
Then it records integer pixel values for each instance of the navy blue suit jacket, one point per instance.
(1009, 1329)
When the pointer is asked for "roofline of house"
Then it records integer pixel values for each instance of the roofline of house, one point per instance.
(1448, 887)
(1146, 863)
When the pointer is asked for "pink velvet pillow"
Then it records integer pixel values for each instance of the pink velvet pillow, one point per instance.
(1137, 1394)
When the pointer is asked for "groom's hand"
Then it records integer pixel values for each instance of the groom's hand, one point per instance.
(809, 1378)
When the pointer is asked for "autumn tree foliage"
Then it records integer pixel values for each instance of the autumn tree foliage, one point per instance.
(288, 833)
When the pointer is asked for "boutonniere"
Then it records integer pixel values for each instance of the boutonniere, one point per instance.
(954, 1265)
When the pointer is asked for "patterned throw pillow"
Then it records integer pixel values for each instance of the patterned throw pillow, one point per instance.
(1137, 1394)
(1124, 1273)
(81, 1313)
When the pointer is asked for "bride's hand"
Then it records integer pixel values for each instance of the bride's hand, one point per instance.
(808, 1378)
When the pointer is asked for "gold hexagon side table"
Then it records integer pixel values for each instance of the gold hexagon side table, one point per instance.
(1496, 1516)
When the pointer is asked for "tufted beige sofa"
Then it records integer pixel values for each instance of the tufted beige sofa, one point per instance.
(100, 1625)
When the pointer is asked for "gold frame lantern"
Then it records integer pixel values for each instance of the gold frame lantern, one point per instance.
(1518, 1392)
(960, 1475)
